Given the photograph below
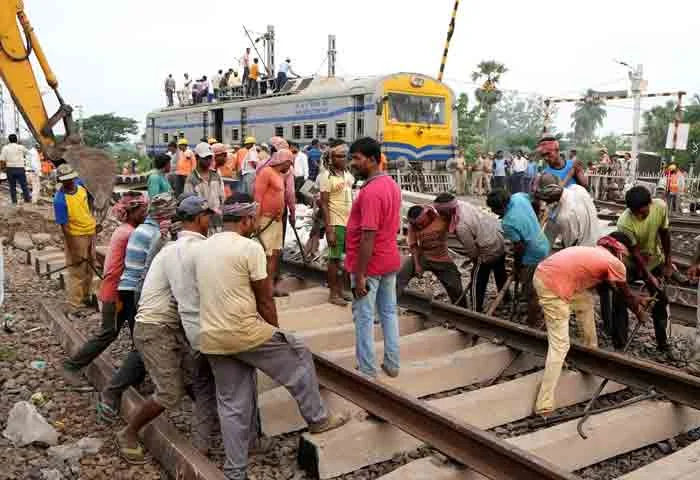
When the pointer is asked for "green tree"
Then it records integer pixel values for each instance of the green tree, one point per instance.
(469, 126)
(588, 117)
(518, 121)
(99, 130)
(488, 95)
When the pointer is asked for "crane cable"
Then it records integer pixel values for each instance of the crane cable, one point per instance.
(450, 32)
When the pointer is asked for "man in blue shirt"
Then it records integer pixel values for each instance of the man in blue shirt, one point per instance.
(314, 155)
(530, 245)
(570, 172)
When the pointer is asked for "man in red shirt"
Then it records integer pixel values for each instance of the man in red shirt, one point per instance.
(372, 257)
(131, 211)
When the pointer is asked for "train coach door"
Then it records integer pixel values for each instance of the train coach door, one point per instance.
(244, 123)
(219, 124)
(358, 116)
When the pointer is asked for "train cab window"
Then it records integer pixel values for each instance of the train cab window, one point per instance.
(341, 129)
(296, 132)
(165, 138)
(308, 131)
(235, 135)
(407, 108)
(322, 130)
(279, 131)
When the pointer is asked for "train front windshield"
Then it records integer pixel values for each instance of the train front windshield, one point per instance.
(407, 108)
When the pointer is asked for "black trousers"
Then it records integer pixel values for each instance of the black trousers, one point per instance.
(499, 183)
(613, 309)
(446, 272)
(481, 272)
(112, 323)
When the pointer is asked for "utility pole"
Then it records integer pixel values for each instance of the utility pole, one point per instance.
(79, 108)
(636, 76)
(331, 56)
(17, 122)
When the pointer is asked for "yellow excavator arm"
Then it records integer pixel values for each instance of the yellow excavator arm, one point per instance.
(17, 44)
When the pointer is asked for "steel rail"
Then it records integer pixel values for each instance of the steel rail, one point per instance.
(674, 384)
(475, 448)
(471, 446)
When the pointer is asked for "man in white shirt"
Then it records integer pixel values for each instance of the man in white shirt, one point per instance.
(573, 215)
(245, 64)
(216, 83)
(283, 73)
(166, 333)
(35, 172)
(519, 168)
(301, 166)
(14, 157)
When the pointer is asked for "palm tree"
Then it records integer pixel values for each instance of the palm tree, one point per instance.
(488, 94)
(588, 116)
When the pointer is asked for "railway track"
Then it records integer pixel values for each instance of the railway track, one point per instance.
(453, 394)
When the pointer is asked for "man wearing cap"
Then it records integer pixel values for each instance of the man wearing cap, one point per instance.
(239, 333)
(144, 244)
(166, 333)
(569, 172)
(130, 210)
(246, 164)
(563, 282)
(270, 196)
(224, 165)
(207, 183)
(186, 163)
(572, 213)
(73, 211)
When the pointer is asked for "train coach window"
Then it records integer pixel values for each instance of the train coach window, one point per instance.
(279, 131)
(321, 130)
(165, 138)
(341, 129)
(308, 131)
(235, 135)
(360, 131)
(296, 132)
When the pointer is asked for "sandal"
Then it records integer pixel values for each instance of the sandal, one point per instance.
(105, 412)
(132, 456)
(340, 301)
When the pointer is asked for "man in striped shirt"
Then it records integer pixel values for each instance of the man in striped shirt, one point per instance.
(144, 243)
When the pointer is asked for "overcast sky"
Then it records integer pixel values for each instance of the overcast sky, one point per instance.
(114, 56)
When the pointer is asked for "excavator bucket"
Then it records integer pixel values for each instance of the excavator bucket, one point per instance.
(98, 170)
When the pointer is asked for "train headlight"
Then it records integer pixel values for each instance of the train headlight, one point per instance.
(417, 82)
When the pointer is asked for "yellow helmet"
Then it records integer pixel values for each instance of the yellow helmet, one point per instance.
(249, 140)
(183, 141)
(212, 141)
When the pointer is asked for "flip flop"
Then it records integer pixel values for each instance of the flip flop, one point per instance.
(105, 413)
(132, 456)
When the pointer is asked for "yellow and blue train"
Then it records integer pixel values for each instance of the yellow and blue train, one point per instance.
(413, 115)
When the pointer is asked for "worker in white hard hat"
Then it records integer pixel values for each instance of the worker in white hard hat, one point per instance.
(246, 165)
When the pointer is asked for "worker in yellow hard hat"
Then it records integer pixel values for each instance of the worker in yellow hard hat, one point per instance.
(246, 163)
(184, 165)
(212, 141)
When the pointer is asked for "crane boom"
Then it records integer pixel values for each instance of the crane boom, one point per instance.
(17, 43)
